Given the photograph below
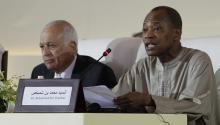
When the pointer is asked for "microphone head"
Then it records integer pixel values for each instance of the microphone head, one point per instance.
(107, 52)
(94, 107)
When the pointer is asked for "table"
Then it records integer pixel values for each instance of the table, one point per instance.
(91, 119)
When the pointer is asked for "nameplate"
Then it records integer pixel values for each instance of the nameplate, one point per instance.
(50, 95)
(46, 96)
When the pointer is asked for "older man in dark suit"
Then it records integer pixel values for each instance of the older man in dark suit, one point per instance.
(58, 45)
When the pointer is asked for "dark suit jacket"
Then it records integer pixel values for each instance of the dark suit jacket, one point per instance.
(90, 72)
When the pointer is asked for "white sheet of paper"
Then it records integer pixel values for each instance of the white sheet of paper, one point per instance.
(101, 95)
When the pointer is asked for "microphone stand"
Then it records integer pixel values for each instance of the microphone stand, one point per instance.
(105, 53)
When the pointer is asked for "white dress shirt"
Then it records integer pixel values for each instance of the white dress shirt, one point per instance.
(66, 74)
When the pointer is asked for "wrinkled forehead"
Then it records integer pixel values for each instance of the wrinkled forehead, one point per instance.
(52, 34)
(157, 17)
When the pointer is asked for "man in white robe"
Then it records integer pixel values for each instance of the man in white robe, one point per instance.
(172, 79)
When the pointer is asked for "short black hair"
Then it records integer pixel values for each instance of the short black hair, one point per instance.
(172, 14)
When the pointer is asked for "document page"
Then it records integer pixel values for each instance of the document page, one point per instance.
(101, 95)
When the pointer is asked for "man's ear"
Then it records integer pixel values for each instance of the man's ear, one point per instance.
(73, 45)
(177, 34)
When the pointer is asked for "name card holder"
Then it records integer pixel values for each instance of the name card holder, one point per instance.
(50, 95)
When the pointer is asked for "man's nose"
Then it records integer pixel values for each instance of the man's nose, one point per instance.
(45, 51)
(148, 34)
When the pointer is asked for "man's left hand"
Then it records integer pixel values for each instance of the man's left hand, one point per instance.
(133, 99)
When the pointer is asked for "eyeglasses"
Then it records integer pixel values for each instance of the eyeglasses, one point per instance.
(49, 46)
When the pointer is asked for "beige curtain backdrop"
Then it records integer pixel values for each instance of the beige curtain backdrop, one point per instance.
(22, 21)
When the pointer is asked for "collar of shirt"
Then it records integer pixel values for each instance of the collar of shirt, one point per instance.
(173, 62)
(66, 74)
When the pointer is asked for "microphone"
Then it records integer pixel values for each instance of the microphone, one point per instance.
(96, 108)
(93, 108)
(105, 53)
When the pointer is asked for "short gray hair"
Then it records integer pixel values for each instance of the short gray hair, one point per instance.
(69, 32)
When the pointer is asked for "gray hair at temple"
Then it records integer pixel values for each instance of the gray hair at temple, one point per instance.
(69, 33)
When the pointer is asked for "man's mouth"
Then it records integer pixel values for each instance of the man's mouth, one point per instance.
(48, 60)
(151, 46)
